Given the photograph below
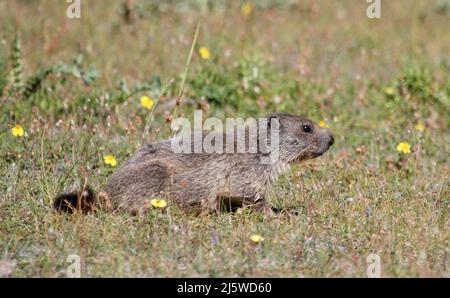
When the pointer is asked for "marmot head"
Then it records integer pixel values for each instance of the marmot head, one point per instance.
(301, 138)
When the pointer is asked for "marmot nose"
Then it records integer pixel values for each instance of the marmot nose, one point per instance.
(331, 142)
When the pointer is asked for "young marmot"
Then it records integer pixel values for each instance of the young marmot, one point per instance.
(203, 181)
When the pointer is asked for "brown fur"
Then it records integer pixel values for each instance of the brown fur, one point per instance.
(202, 181)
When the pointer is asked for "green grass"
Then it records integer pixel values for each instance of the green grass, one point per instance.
(74, 85)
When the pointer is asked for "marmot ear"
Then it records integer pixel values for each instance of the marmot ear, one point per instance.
(271, 119)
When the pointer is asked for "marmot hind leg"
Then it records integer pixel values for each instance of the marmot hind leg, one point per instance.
(134, 186)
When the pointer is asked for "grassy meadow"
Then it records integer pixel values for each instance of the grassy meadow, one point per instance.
(71, 94)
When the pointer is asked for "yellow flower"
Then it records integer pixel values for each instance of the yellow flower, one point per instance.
(420, 127)
(204, 53)
(323, 124)
(18, 131)
(404, 148)
(158, 203)
(389, 91)
(147, 102)
(256, 238)
(247, 9)
(110, 160)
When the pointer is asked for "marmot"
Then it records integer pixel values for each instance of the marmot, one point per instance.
(203, 181)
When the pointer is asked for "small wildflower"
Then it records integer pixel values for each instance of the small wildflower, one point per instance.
(256, 238)
(110, 160)
(18, 131)
(204, 53)
(404, 148)
(158, 203)
(323, 124)
(247, 9)
(389, 91)
(420, 127)
(147, 102)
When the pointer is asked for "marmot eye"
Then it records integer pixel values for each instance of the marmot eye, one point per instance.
(307, 128)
